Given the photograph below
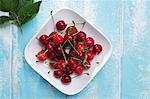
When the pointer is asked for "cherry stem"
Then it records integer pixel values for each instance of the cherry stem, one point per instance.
(51, 36)
(73, 23)
(37, 38)
(53, 19)
(63, 54)
(64, 43)
(80, 75)
(77, 59)
(45, 51)
(97, 62)
(73, 46)
(85, 56)
(81, 28)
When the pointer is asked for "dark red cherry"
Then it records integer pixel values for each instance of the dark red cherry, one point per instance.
(87, 64)
(41, 56)
(58, 73)
(58, 50)
(72, 52)
(71, 30)
(51, 55)
(44, 39)
(89, 41)
(81, 55)
(72, 63)
(68, 70)
(58, 39)
(50, 47)
(61, 64)
(79, 70)
(61, 25)
(90, 55)
(97, 48)
(53, 64)
(81, 36)
(80, 47)
(68, 37)
(66, 79)
(52, 35)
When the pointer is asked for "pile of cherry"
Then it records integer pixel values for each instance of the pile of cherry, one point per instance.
(81, 50)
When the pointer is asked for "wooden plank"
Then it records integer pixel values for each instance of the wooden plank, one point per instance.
(136, 55)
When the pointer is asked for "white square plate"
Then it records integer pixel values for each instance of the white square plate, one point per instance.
(78, 83)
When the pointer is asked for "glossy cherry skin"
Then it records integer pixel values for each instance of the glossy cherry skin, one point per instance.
(58, 39)
(72, 63)
(81, 55)
(68, 37)
(52, 35)
(61, 64)
(53, 64)
(80, 47)
(87, 64)
(58, 73)
(50, 47)
(58, 50)
(90, 55)
(68, 70)
(61, 25)
(72, 52)
(41, 56)
(44, 39)
(89, 41)
(79, 70)
(73, 32)
(51, 55)
(81, 36)
(97, 48)
(66, 79)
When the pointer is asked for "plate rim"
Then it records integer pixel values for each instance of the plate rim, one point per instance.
(44, 76)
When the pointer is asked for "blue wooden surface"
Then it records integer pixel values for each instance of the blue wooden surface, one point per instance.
(125, 76)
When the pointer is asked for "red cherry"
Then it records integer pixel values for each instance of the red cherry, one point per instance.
(58, 39)
(79, 70)
(87, 64)
(66, 79)
(44, 39)
(61, 25)
(53, 64)
(81, 36)
(72, 52)
(51, 55)
(72, 30)
(72, 63)
(90, 55)
(97, 48)
(68, 70)
(61, 64)
(81, 55)
(41, 56)
(58, 50)
(52, 35)
(68, 37)
(58, 73)
(50, 47)
(80, 47)
(89, 41)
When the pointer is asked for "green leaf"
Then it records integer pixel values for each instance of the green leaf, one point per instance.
(4, 19)
(9, 5)
(22, 3)
(29, 11)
